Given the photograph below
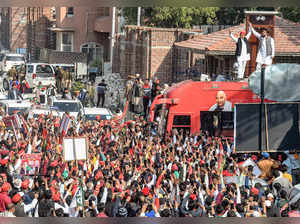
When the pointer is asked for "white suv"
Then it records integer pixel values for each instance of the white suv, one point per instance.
(40, 72)
(10, 60)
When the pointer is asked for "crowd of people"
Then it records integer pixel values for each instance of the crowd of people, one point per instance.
(132, 171)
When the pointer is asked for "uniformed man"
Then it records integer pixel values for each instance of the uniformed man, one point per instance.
(69, 79)
(22, 73)
(12, 73)
(64, 78)
(58, 77)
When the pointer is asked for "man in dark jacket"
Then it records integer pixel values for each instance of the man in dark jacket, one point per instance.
(242, 51)
(101, 88)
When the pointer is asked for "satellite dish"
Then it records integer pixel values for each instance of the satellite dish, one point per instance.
(282, 82)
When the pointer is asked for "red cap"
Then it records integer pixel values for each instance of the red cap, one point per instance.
(243, 32)
(98, 175)
(193, 197)
(5, 187)
(3, 162)
(25, 184)
(174, 167)
(254, 191)
(254, 158)
(80, 162)
(146, 191)
(54, 163)
(98, 118)
(102, 163)
(16, 198)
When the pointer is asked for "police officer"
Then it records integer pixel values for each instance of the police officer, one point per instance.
(12, 73)
(68, 79)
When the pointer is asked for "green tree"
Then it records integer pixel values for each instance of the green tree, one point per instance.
(130, 14)
(292, 14)
(231, 16)
(177, 17)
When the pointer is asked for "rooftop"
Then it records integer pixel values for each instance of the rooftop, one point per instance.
(287, 40)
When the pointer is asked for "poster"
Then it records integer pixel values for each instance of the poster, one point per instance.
(75, 149)
(31, 163)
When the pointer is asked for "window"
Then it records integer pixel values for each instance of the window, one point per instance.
(70, 12)
(29, 68)
(182, 120)
(106, 11)
(67, 42)
(43, 69)
(67, 106)
(94, 51)
(14, 58)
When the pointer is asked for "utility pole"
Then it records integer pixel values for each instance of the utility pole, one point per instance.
(139, 16)
(262, 104)
(112, 34)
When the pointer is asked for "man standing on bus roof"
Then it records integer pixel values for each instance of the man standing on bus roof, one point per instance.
(242, 51)
(221, 103)
(266, 48)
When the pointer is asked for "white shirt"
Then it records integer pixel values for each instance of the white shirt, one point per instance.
(244, 55)
(262, 58)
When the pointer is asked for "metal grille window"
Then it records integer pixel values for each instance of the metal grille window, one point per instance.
(67, 42)
(94, 50)
(182, 120)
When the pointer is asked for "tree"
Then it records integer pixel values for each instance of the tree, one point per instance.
(176, 17)
(231, 16)
(187, 17)
(292, 14)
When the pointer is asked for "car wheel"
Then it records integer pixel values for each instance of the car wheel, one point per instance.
(5, 84)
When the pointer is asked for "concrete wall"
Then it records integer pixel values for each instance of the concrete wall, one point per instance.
(88, 23)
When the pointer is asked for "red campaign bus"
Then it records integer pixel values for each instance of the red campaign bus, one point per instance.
(182, 104)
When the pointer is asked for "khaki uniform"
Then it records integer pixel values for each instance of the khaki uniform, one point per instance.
(64, 78)
(68, 79)
(12, 74)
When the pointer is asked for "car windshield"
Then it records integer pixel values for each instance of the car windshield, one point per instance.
(43, 69)
(66, 106)
(93, 117)
(12, 109)
(14, 58)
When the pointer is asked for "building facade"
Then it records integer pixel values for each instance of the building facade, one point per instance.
(84, 29)
(148, 51)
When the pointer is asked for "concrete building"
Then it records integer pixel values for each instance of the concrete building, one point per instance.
(84, 29)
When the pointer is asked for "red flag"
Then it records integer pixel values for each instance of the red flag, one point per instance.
(44, 133)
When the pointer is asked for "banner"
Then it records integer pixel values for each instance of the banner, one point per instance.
(31, 163)
(75, 149)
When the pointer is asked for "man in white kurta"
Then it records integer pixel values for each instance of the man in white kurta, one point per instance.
(242, 51)
(266, 48)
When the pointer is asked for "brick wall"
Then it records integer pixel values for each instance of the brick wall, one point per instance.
(18, 37)
(148, 51)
